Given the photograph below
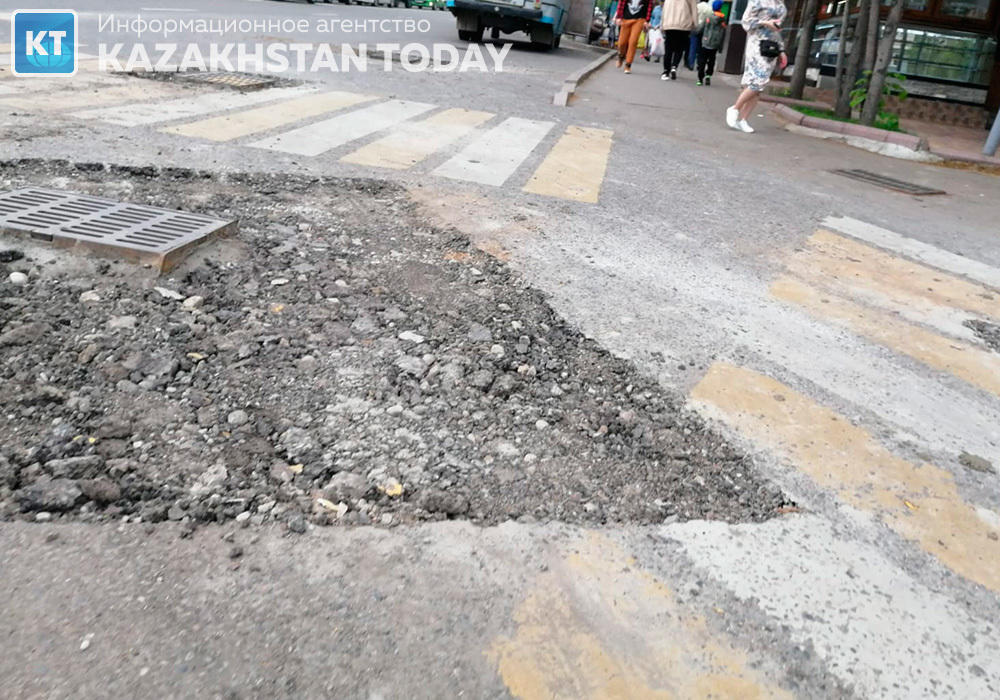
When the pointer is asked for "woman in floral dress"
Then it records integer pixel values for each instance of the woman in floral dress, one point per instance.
(762, 20)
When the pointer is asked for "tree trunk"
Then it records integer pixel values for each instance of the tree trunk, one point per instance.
(843, 107)
(798, 84)
(838, 76)
(877, 82)
(871, 42)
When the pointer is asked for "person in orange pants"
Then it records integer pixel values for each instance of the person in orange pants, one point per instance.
(632, 19)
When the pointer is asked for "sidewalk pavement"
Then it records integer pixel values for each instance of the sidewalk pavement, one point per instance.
(952, 142)
(682, 109)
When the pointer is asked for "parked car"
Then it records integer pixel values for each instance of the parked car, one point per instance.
(430, 4)
(542, 20)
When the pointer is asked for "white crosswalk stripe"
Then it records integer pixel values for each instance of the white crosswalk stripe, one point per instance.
(171, 110)
(900, 639)
(493, 157)
(315, 139)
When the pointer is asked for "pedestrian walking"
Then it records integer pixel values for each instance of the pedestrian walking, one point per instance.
(764, 48)
(654, 39)
(692, 52)
(713, 32)
(677, 21)
(632, 20)
(612, 24)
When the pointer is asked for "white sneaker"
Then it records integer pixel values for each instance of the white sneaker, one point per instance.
(744, 127)
(663, 76)
(732, 117)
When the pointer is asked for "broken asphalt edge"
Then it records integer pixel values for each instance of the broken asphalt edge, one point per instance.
(573, 80)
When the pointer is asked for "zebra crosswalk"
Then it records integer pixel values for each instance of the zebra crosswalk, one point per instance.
(914, 311)
(320, 137)
(230, 127)
(353, 128)
(895, 512)
(146, 113)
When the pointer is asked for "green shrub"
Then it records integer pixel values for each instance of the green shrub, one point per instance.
(887, 121)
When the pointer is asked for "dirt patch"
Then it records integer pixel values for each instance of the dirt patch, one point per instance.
(337, 359)
(981, 168)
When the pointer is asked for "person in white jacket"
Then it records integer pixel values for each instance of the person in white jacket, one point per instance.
(678, 19)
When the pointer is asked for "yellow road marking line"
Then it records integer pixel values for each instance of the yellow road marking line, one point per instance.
(917, 250)
(599, 627)
(848, 460)
(412, 142)
(251, 121)
(575, 167)
(843, 262)
(978, 367)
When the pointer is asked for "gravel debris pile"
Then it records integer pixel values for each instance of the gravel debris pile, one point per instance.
(336, 361)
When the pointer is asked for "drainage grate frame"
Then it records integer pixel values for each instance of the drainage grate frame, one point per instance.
(135, 232)
(239, 81)
(888, 183)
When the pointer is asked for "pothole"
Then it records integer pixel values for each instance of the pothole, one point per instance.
(338, 359)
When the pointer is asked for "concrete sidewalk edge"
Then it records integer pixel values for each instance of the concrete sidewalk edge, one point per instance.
(793, 116)
(573, 80)
(882, 148)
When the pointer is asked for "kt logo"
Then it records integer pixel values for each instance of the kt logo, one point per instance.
(44, 42)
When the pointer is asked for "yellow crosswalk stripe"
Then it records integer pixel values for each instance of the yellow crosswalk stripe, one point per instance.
(599, 627)
(251, 121)
(921, 502)
(97, 95)
(575, 167)
(978, 367)
(412, 142)
(856, 269)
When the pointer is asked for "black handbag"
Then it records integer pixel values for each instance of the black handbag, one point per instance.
(769, 48)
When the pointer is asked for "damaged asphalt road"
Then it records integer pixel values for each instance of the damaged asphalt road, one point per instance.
(337, 361)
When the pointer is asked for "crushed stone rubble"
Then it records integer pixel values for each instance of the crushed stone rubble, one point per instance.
(337, 361)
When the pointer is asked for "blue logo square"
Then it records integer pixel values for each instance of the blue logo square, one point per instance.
(44, 42)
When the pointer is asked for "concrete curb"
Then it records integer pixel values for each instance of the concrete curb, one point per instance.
(881, 148)
(573, 80)
(792, 102)
(792, 116)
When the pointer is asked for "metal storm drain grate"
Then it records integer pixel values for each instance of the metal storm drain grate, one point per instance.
(888, 183)
(147, 235)
(239, 81)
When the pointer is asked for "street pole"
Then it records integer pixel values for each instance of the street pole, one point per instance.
(993, 140)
